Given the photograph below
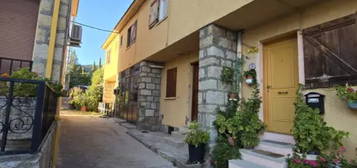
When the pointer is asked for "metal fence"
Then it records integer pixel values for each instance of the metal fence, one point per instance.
(27, 111)
(9, 65)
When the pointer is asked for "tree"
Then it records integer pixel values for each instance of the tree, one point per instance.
(77, 76)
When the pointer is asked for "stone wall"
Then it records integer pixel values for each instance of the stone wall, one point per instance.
(42, 38)
(149, 96)
(218, 48)
(42, 159)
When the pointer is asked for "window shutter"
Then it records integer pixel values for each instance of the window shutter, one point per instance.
(330, 53)
(154, 13)
(171, 82)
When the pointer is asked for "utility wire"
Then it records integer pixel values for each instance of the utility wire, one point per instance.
(96, 28)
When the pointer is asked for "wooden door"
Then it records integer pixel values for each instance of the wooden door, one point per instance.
(194, 109)
(281, 82)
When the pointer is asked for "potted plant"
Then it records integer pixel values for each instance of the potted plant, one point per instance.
(349, 94)
(250, 77)
(197, 139)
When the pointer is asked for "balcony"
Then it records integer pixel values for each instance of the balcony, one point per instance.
(27, 113)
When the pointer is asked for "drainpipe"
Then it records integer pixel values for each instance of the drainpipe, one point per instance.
(53, 34)
(239, 56)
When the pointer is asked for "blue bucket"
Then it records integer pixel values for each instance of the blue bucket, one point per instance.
(352, 104)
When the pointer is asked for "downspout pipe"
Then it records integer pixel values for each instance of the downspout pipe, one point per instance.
(53, 34)
(239, 57)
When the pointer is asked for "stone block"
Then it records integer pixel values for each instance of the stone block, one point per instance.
(208, 84)
(206, 41)
(210, 61)
(204, 108)
(149, 113)
(231, 55)
(156, 71)
(145, 92)
(214, 72)
(202, 73)
(145, 69)
(218, 31)
(141, 85)
(156, 93)
(150, 86)
(215, 97)
(146, 79)
(215, 51)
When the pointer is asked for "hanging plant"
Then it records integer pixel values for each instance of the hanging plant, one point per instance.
(227, 75)
(250, 77)
(349, 94)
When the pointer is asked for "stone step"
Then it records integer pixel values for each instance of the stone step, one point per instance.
(276, 147)
(270, 136)
(264, 158)
(243, 164)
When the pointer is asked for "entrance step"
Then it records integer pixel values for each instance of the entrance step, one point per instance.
(281, 148)
(244, 164)
(264, 158)
(278, 137)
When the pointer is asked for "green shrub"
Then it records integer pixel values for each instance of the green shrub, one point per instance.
(311, 132)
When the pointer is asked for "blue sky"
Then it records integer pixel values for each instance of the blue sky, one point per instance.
(102, 14)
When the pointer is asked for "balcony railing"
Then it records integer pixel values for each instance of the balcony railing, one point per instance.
(9, 65)
(27, 111)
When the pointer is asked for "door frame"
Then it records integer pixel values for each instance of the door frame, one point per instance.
(194, 106)
(264, 67)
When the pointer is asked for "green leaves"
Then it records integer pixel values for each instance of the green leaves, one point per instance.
(196, 135)
(310, 131)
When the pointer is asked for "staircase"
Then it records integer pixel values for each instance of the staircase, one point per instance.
(270, 153)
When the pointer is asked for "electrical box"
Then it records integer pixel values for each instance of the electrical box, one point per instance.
(316, 100)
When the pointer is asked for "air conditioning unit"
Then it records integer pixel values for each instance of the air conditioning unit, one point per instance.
(76, 36)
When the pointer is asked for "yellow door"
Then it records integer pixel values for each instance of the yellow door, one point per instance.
(280, 83)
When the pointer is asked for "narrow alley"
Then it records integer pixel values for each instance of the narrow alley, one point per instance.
(88, 141)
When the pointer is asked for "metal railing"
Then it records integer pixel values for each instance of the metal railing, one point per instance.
(27, 111)
(9, 65)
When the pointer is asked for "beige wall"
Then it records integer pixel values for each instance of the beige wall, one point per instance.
(337, 114)
(188, 16)
(148, 41)
(184, 18)
(176, 110)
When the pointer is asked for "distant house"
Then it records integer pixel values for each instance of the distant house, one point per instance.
(171, 55)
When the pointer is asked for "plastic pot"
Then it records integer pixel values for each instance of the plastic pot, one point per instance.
(196, 153)
(352, 104)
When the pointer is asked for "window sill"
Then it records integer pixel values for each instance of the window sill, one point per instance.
(170, 98)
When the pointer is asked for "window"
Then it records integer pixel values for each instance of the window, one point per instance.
(158, 12)
(154, 13)
(330, 53)
(163, 9)
(108, 56)
(132, 34)
(171, 82)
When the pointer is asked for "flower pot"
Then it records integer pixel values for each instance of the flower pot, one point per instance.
(249, 80)
(233, 96)
(352, 104)
(196, 154)
(83, 108)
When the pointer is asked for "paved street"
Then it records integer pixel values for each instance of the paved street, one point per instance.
(93, 142)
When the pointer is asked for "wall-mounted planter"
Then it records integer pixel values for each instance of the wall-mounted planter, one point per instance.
(352, 104)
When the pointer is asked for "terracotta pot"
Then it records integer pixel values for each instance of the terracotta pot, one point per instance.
(83, 108)
(233, 95)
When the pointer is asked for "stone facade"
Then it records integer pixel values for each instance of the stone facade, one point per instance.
(149, 96)
(218, 48)
(42, 38)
